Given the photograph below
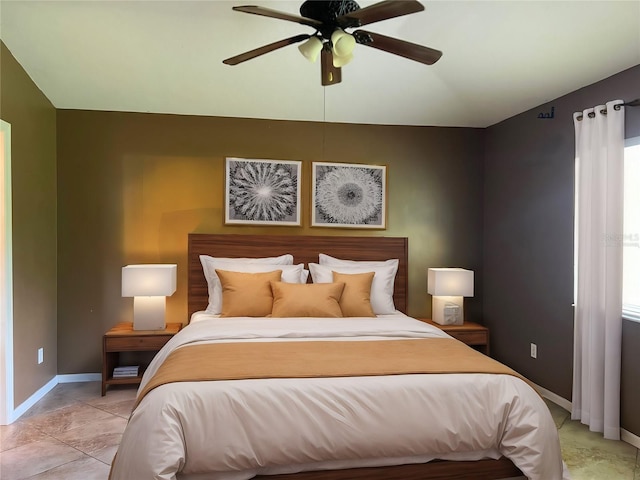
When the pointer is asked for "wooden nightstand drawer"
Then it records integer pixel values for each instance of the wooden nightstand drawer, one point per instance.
(471, 333)
(132, 344)
(470, 338)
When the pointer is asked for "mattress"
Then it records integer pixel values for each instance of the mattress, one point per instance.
(236, 429)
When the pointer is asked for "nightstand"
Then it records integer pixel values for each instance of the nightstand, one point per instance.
(471, 333)
(123, 338)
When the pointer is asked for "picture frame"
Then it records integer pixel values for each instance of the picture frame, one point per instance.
(347, 195)
(262, 192)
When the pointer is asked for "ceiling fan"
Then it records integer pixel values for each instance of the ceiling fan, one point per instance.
(331, 19)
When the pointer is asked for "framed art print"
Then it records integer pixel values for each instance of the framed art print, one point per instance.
(262, 192)
(348, 195)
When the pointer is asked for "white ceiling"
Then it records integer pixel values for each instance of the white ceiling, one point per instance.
(500, 58)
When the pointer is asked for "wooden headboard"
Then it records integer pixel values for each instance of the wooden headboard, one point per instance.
(305, 249)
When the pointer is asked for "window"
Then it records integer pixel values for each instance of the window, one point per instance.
(631, 236)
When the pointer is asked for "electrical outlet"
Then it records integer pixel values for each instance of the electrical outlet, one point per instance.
(40, 355)
(534, 350)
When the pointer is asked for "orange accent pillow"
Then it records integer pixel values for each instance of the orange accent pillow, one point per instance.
(306, 300)
(356, 297)
(247, 294)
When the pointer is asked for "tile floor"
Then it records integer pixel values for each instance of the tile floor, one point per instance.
(73, 433)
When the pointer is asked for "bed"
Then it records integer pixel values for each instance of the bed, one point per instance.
(396, 425)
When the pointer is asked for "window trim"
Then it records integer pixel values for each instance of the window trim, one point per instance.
(630, 311)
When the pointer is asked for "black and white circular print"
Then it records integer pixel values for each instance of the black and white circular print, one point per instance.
(347, 195)
(263, 192)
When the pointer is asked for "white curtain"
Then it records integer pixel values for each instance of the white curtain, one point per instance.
(598, 310)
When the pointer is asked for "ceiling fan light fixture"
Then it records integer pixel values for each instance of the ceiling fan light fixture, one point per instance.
(343, 43)
(341, 61)
(311, 48)
(330, 19)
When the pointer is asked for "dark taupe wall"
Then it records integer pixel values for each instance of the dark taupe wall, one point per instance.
(33, 157)
(528, 241)
(132, 186)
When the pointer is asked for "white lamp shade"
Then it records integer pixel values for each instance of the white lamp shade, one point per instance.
(341, 61)
(343, 43)
(148, 280)
(446, 282)
(311, 48)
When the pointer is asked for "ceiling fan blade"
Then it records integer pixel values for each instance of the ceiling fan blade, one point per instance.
(330, 74)
(412, 51)
(268, 12)
(379, 11)
(243, 57)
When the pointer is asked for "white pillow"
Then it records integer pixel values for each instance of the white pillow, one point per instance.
(324, 259)
(381, 287)
(290, 274)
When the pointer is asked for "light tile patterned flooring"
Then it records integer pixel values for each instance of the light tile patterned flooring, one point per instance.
(73, 434)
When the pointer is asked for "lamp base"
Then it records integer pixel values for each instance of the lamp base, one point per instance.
(149, 313)
(447, 310)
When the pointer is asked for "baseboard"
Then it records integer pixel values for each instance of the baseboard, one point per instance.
(630, 438)
(42, 391)
(625, 435)
(79, 377)
(33, 399)
(557, 399)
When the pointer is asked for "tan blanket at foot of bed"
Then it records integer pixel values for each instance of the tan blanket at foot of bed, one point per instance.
(253, 360)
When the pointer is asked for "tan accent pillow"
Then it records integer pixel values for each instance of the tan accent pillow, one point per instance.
(306, 300)
(356, 297)
(247, 294)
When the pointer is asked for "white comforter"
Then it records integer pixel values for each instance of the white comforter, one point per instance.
(233, 430)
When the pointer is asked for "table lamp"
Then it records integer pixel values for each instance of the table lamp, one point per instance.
(149, 285)
(448, 287)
